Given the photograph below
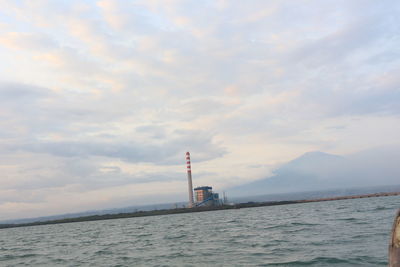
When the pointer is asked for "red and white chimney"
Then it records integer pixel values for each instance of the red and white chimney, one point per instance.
(189, 175)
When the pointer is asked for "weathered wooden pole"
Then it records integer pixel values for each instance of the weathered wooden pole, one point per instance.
(394, 246)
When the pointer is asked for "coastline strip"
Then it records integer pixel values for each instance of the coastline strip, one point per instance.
(189, 210)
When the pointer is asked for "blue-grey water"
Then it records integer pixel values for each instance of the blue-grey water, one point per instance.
(335, 233)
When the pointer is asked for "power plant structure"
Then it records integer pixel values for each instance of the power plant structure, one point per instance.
(206, 197)
(204, 194)
(189, 175)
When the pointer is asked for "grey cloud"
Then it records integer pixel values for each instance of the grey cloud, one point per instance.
(203, 106)
(34, 190)
(15, 195)
(40, 110)
(133, 17)
(30, 41)
(337, 127)
(24, 104)
(129, 152)
(10, 92)
(157, 132)
(112, 169)
(375, 102)
(169, 152)
(339, 45)
(365, 30)
(362, 97)
(75, 174)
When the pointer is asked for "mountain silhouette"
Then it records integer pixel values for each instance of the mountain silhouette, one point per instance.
(322, 171)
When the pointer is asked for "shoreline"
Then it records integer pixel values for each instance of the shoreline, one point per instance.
(190, 210)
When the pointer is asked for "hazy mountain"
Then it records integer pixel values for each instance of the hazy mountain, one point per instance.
(322, 171)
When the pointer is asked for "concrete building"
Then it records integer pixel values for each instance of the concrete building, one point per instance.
(206, 197)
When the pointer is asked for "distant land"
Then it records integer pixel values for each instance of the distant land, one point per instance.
(130, 209)
(191, 210)
(315, 171)
(294, 196)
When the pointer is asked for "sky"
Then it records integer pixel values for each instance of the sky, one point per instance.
(100, 100)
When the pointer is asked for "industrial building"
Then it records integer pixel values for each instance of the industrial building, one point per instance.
(206, 197)
(204, 194)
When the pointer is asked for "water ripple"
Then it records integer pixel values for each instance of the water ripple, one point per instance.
(345, 233)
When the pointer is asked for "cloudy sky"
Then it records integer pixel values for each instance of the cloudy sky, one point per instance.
(100, 100)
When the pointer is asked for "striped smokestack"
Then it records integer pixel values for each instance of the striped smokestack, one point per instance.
(189, 175)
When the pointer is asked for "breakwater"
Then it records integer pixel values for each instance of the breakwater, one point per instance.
(196, 209)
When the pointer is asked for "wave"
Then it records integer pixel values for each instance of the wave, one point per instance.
(315, 261)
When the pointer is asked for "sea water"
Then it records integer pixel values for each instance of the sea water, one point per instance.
(352, 232)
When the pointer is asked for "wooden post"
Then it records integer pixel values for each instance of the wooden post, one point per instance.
(394, 246)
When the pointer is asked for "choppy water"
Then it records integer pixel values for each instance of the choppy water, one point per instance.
(337, 233)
